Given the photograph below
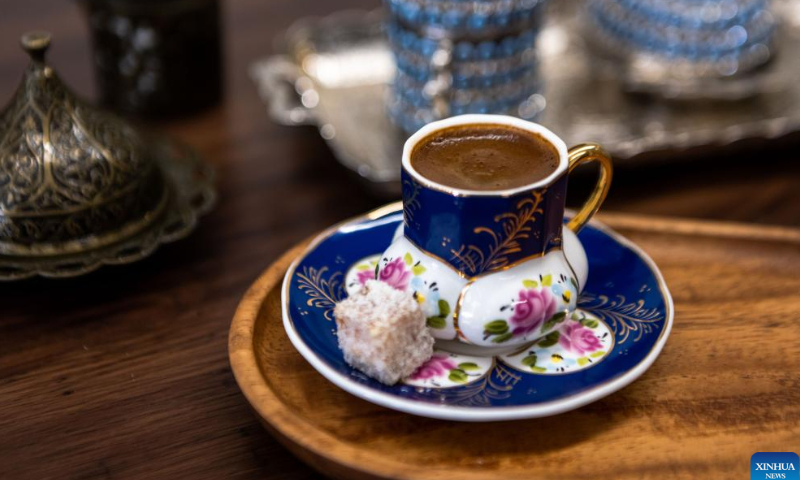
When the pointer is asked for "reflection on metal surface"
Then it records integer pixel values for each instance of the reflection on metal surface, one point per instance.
(189, 181)
(80, 188)
(584, 98)
(72, 178)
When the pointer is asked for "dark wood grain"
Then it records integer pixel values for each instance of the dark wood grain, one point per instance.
(725, 386)
(124, 373)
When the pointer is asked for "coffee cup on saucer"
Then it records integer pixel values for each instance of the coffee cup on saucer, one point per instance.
(483, 246)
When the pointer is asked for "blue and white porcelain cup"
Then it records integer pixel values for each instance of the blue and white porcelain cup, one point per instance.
(493, 270)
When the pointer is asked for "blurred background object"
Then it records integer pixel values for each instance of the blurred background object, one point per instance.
(337, 71)
(156, 58)
(693, 43)
(77, 177)
(80, 187)
(462, 56)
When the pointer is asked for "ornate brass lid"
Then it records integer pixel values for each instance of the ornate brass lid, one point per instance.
(72, 178)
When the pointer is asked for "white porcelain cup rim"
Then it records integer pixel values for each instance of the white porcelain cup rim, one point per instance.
(485, 119)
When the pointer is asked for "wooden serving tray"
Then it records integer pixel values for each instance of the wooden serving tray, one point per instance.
(727, 384)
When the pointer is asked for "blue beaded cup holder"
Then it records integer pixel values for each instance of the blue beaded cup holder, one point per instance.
(705, 48)
(584, 96)
(461, 57)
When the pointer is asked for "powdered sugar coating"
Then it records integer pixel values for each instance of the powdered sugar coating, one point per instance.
(382, 332)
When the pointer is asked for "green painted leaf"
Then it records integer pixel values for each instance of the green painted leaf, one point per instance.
(529, 361)
(539, 369)
(418, 270)
(550, 340)
(557, 318)
(502, 338)
(444, 308)
(583, 361)
(408, 259)
(576, 316)
(589, 323)
(458, 375)
(547, 280)
(496, 327)
(573, 282)
(598, 354)
(436, 322)
(468, 366)
(363, 267)
(377, 266)
(530, 283)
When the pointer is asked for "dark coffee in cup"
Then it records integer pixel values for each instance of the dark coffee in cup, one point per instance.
(484, 157)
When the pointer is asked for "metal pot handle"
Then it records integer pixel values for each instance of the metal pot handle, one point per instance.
(281, 85)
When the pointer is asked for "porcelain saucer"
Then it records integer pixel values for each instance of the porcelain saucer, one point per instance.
(624, 317)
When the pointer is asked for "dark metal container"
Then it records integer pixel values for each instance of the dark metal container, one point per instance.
(157, 58)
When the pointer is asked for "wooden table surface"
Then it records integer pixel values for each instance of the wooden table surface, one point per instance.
(124, 373)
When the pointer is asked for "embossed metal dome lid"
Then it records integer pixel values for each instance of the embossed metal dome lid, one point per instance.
(72, 178)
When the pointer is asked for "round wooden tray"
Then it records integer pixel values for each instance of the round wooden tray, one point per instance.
(712, 399)
(346, 437)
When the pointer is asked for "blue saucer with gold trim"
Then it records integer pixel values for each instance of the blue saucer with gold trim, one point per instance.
(623, 319)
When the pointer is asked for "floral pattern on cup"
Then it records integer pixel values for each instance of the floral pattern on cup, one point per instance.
(361, 271)
(580, 342)
(449, 370)
(395, 274)
(365, 275)
(533, 307)
(406, 272)
(536, 306)
(422, 277)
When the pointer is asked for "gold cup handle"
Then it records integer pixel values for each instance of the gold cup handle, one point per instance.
(585, 153)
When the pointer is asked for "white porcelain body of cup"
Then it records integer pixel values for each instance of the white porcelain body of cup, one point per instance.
(493, 269)
(494, 313)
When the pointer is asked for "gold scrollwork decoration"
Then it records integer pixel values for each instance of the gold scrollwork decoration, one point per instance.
(411, 203)
(72, 178)
(515, 227)
(623, 317)
(322, 292)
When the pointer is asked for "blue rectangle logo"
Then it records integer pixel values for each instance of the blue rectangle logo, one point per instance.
(774, 466)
